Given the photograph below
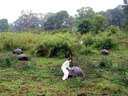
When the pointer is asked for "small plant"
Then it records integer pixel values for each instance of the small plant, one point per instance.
(25, 66)
(8, 60)
(77, 82)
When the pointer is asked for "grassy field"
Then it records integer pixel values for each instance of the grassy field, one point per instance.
(41, 75)
(45, 78)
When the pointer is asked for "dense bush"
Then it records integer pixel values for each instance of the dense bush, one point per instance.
(106, 43)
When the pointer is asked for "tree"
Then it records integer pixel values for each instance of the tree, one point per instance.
(85, 26)
(125, 10)
(125, 1)
(3, 25)
(108, 16)
(27, 20)
(45, 17)
(99, 23)
(114, 16)
(57, 21)
(85, 12)
(117, 16)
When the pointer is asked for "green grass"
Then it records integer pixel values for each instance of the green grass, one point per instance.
(46, 78)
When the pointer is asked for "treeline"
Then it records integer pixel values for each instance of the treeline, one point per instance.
(85, 20)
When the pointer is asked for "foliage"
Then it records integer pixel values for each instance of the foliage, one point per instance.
(85, 12)
(88, 39)
(60, 47)
(114, 29)
(105, 62)
(11, 61)
(106, 43)
(27, 20)
(57, 21)
(88, 51)
(85, 26)
(99, 23)
(3, 25)
(8, 60)
(113, 17)
(125, 1)
(125, 10)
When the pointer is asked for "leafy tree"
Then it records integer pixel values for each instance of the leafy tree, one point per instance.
(45, 17)
(27, 20)
(125, 1)
(117, 16)
(125, 10)
(114, 16)
(3, 25)
(85, 25)
(108, 16)
(99, 23)
(85, 12)
(57, 21)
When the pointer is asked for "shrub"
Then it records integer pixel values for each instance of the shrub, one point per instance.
(42, 49)
(106, 43)
(114, 29)
(61, 50)
(88, 39)
(56, 49)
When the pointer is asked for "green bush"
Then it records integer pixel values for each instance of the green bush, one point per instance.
(56, 49)
(114, 29)
(106, 43)
(88, 39)
(61, 50)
